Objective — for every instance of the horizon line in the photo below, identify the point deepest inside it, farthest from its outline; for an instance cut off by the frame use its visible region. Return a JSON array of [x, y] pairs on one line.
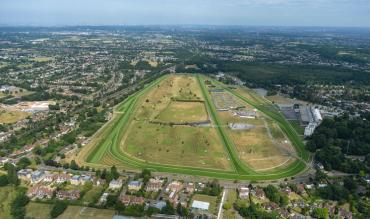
[[175, 25]]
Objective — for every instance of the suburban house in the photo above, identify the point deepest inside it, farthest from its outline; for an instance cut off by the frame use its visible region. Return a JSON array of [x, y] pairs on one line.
[[75, 180], [270, 206], [137, 200], [134, 185], [84, 179], [174, 186], [103, 198], [189, 187], [131, 200], [62, 177], [300, 188], [287, 191], [344, 214], [260, 193], [125, 199], [40, 192], [48, 177], [3, 161], [98, 182], [154, 185], [24, 174], [68, 195], [115, 184], [37, 176], [243, 192]]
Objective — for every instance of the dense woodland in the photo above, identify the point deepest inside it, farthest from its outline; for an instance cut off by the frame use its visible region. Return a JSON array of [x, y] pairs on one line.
[[339, 137]]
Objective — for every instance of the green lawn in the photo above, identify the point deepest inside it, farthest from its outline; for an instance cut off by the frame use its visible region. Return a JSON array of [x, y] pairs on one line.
[[38, 210], [231, 199], [92, 196], [78, 212], [7, 194], [179, 111], [299, 129]]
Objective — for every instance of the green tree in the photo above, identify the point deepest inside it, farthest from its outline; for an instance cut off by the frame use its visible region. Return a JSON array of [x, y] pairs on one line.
[[146, 174], [151, 211], [12, 175], [320, 213], [284, 200], [350, 184], [17, 207], [114, 172], [58, 208], [73, 165], [227, 206], [181, 210], [168, 209], [23, 162], [3, 180]]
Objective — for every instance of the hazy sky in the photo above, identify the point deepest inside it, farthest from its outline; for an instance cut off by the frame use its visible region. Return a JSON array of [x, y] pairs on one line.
[[220, 12]]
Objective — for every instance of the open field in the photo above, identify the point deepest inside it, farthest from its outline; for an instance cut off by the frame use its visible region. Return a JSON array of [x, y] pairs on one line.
[[180, 145], [168, 144], [42, 59], [78, 212], [12, 116], [38, 210], [112, 144], [153, 63], [15, 92], [7, 194], [93, 194], [279, 99], [180, 112], [262, 147]]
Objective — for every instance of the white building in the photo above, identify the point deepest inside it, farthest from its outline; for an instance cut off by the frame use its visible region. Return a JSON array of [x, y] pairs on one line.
[[243, 192], [310, 128], [200, 205], [316, 115]]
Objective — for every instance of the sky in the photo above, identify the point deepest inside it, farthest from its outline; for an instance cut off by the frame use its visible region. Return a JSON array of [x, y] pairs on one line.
[[352, 13]]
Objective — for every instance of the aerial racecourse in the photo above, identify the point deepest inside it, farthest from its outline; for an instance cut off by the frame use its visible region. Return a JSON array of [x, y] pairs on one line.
[[195, 125]]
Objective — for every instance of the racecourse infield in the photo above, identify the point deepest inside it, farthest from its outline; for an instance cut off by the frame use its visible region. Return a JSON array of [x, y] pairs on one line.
[[107, 146]]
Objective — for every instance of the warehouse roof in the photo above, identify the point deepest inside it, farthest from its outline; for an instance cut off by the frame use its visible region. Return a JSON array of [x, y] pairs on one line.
[[200, 205]]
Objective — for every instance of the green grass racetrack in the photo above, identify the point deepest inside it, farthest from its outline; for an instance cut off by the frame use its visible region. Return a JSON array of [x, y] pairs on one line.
[[110, 144]]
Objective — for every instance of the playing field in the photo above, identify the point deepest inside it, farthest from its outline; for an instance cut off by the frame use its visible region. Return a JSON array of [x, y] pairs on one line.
[[173, 125], [38, 210], [7, 194], [77, 212], [12, 116], [42, 59]]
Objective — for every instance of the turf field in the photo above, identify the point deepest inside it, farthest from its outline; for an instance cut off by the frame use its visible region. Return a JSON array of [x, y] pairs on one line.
[[183, 111], [12, 116], [78, 212], [7, 195], [38, 210], [133, 139]]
